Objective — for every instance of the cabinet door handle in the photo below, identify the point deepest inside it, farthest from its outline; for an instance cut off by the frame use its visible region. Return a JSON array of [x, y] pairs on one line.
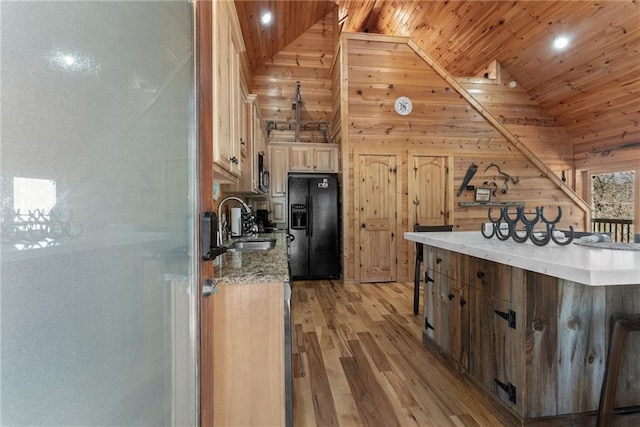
[[242, 141], [427, 279], [462, 302], [451, 296], [234, 160], [438, 260], [479, 274]]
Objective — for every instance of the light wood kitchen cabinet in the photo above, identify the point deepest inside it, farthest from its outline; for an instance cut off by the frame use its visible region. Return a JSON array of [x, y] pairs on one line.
[[279, 167], [228, 97], [253, 143], [278, 210], [297, 157], [248, 345], [305, 158], [300, 159], [325, 159]]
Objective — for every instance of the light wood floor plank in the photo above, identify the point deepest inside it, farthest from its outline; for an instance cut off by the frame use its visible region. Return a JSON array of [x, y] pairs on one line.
[[358, 360], [323, 406]]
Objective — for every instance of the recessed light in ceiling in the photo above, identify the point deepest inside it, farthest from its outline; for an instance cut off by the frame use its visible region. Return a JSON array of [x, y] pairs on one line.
[[266, 18], [560, 42]]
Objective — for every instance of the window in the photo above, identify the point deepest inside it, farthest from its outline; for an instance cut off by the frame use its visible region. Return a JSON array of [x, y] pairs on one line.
[[31, 194], [30, 224], [612, 202]]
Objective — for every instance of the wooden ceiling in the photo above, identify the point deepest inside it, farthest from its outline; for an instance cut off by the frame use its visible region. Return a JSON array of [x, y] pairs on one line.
[[592, 88]]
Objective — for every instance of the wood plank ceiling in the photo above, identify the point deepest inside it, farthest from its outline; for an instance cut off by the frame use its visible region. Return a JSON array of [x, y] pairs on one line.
[[592, 88]]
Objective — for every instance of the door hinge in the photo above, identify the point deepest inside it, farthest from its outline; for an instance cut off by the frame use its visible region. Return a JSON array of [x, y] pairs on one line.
[[510, 317], [428, 325], [509, 388]]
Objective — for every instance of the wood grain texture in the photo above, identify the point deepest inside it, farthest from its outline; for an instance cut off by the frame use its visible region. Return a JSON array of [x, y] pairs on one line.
[[204, 89], [445, 122], [375, 216], [248, 363], [381, 375], [306, 59], [589, 89], [552, 349]]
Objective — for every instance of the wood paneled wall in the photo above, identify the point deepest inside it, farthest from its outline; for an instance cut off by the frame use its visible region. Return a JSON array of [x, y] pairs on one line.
[[520, 113], [367, 73], [378, 69], [308, 59]]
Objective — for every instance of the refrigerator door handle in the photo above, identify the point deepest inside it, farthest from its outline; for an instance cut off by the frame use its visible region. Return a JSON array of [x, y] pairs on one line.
[[310, 216], [308, 224]]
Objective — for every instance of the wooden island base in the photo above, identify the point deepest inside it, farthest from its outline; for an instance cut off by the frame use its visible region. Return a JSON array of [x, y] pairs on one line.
[[533, 341], [585, 419]]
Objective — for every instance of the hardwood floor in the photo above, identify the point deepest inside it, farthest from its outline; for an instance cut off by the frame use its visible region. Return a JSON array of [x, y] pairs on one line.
[[358, 360]]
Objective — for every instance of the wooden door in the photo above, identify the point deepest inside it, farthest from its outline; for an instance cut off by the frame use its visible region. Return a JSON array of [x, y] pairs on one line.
[[377, 189], [429, 190], [204, 91]]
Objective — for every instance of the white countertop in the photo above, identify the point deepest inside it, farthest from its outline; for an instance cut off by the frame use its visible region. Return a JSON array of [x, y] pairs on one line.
[[589, 266]]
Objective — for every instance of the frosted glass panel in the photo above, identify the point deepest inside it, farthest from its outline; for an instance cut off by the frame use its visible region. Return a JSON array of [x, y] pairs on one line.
[[97, 191]]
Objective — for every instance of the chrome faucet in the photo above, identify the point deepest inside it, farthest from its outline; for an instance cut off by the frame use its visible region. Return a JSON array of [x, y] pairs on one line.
[[245, 207]]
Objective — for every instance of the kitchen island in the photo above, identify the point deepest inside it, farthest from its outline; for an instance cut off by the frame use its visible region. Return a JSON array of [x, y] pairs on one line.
[[252, 339], [530, 324]]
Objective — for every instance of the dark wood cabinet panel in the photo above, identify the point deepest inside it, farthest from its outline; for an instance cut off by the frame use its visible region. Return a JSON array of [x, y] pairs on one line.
[[446, 316], [536, 342]]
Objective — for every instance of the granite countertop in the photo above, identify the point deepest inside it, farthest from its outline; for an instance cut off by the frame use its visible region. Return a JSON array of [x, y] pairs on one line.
[[254, 266], [580, 264]]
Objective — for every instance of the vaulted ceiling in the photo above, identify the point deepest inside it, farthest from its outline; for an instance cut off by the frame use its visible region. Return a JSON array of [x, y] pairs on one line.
[[592, 87]]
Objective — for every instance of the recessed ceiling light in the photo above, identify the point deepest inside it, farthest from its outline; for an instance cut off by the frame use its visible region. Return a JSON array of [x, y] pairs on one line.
[[560, 42], [266, 18]]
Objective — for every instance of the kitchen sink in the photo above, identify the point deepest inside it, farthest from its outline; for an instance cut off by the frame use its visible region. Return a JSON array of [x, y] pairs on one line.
[[253, 245]]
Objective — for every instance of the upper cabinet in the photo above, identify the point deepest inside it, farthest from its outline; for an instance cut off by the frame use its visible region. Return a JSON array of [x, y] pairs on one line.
[[278, 156], [313, 158], [229, 93], [251, 146]]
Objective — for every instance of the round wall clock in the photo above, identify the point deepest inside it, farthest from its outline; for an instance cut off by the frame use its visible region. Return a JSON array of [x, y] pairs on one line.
[[403, 105]]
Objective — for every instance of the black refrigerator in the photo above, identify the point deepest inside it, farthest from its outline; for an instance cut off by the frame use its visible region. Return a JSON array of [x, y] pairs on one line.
[[314, 234]]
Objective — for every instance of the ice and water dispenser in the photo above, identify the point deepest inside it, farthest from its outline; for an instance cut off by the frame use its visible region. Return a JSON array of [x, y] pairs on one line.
[[298, 216]]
